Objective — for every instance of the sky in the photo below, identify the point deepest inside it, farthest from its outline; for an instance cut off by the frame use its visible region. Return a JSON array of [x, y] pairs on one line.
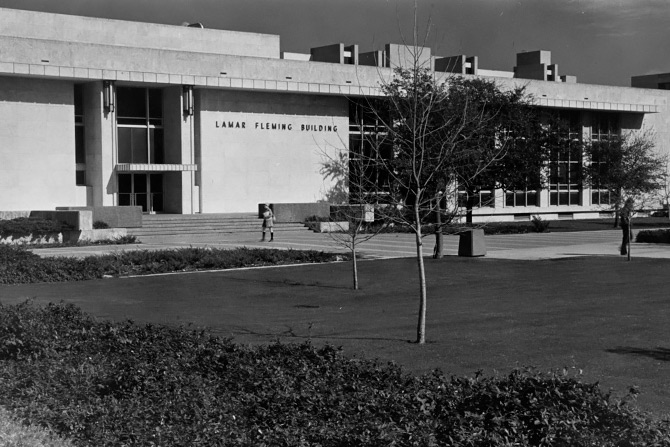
[[599, 41]]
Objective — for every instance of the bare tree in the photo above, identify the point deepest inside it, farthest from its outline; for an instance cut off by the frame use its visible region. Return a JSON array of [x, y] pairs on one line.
[[353, 216], [425, 138], [416, 142]]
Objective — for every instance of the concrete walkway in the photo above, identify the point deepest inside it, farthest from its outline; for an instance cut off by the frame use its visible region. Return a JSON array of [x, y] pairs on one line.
[[531, 246]]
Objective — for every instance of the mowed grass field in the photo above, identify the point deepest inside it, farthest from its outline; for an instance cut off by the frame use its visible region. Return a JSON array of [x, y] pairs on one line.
[[602, 316]]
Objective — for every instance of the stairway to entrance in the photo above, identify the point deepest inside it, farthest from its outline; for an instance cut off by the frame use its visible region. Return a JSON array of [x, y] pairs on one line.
[[199, 224]]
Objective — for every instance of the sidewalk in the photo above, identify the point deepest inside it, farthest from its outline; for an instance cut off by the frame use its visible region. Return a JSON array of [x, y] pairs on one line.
[[530, 246]]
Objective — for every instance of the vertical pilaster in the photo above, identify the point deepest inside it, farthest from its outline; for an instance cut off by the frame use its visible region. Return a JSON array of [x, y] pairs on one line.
[[100, 140], [586, 138], [180, 194]]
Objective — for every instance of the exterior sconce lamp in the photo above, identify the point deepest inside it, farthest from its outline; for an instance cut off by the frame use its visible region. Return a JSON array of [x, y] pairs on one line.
[[188, 100], [108, 96]]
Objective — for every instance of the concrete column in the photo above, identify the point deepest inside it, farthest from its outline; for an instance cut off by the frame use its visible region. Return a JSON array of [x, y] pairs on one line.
[[179, 149], [498, 198], [544, 198], [586, 137], [100, 140]]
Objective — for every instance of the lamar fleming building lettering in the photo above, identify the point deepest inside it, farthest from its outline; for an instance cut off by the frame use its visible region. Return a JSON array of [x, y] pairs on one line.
[[97, 112], [275, 126]]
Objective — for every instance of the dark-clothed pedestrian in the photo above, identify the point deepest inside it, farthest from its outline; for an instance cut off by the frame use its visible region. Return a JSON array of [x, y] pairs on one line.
[[624, 221]]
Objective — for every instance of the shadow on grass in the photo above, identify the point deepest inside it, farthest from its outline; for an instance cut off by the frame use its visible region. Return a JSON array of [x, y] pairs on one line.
[[662, 354], [292, 282], [289, 333]]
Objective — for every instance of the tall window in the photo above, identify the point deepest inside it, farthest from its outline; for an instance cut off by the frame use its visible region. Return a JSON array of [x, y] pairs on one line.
[[140, 125], [523, 197], [79, 142], [368, 143], [604, 131], [565, 176]]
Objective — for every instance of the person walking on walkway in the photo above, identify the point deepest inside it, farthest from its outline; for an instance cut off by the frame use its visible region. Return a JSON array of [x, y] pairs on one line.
[[624, 221], [268, 222]]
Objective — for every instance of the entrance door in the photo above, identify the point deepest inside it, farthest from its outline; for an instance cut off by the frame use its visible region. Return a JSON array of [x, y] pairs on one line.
[[145, 190]]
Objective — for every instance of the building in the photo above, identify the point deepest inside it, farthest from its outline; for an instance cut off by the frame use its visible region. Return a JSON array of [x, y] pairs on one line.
[[184, 119]]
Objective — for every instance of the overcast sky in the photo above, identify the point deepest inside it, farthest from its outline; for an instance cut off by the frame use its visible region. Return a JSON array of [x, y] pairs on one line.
[[599, 41]]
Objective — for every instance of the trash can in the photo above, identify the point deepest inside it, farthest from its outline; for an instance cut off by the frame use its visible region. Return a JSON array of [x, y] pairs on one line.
[[472, 243]]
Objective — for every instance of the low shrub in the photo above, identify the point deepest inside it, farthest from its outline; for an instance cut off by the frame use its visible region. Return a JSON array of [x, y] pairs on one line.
[[20, 266], [100, 225], [509, 228], [121, 240], [110, 384], [653, 236], [539, 225], [316, 218], [25, 226]]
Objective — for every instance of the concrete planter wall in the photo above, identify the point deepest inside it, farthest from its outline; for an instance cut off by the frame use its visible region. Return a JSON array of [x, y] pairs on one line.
[[296, 212], [79, 220], [328, 227], [114, 216]]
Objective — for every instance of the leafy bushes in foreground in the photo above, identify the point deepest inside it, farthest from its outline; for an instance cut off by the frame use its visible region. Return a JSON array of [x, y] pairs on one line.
[[20, 266], [654, 236], [107, 384], [14, 434]]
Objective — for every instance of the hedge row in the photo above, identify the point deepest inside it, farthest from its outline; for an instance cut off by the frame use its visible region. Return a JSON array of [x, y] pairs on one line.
[[107, 384], [25, 226], [653, 236], [20, 266]]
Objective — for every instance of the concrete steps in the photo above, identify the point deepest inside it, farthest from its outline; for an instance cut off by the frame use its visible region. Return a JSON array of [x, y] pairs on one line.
[[199, 224]]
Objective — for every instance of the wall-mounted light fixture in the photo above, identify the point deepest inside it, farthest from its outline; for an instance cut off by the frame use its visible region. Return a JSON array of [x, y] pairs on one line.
[[188, 100], [108, 96]]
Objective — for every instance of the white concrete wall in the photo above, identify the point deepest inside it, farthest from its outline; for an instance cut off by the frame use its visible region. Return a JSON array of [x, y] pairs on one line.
[[37, 153], [248, 164], [88, 30]]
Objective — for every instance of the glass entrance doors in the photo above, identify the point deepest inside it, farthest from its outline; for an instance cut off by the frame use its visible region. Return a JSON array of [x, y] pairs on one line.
[[145, 190]]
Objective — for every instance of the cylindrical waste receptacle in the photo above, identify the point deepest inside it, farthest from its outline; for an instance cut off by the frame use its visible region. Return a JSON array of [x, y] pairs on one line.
[[472, 243]]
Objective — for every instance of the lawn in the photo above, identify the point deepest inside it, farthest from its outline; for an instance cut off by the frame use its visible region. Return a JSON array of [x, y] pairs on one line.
[[602, 316]]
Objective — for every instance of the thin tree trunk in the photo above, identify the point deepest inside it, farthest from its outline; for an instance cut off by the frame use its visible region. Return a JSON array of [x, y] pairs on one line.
[[439, 239], [421, 326], [630, 236], [354, 264]]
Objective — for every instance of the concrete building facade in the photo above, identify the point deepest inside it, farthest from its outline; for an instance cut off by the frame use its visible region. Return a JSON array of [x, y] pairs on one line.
[[180, 119]]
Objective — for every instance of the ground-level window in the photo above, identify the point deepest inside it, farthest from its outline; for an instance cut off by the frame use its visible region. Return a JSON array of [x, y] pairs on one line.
[[140, 125], [523, 197], [145, 190], [484, 197]]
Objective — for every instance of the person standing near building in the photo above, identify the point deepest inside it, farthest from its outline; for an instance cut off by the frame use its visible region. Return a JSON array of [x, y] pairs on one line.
[[268, 222], [625, 215]]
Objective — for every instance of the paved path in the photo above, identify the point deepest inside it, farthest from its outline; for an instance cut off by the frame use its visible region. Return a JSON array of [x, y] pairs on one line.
[[529, 246]]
